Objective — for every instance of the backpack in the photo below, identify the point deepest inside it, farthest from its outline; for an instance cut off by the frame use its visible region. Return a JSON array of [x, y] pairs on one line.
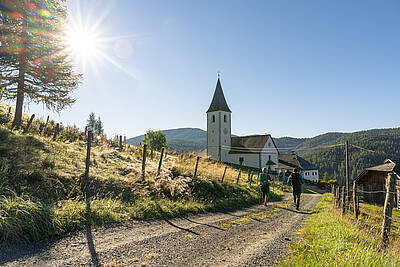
[[295, 179]]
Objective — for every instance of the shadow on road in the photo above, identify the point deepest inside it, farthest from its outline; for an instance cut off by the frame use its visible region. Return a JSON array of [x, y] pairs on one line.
[[205, 224], [89, 236], [308, 212], [172, 224]]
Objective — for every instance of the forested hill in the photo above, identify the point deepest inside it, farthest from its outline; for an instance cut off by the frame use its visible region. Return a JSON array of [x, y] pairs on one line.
[[386, 143]]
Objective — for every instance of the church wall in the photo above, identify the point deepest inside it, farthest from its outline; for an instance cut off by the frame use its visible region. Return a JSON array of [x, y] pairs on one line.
[[218, 134], [249, 160]]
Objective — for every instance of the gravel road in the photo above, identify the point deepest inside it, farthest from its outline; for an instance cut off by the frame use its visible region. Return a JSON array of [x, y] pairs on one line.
[[196, 240]]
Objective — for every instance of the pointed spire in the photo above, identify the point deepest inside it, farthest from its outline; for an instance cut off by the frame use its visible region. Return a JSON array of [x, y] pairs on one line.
[[218, 102]]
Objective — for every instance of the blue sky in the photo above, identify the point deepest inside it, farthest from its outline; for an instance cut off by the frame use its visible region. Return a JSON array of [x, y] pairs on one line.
[[289, 68]]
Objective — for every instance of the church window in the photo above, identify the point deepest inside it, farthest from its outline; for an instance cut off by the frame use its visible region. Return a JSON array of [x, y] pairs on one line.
[[225, 118], [213, 118], [269, 157]]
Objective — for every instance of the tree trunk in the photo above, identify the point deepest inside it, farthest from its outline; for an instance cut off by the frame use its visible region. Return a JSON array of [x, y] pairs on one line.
[[20, 93], [20, 100]]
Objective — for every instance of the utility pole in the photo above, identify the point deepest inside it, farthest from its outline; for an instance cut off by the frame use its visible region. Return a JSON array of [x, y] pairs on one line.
[[347, 171]]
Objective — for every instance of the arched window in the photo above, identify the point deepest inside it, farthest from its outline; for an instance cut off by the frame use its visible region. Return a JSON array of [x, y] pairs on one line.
[[225, 119], [213, 118]]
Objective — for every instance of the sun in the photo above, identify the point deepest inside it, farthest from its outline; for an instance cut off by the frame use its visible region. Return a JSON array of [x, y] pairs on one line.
[[88, 45], [83, 44]]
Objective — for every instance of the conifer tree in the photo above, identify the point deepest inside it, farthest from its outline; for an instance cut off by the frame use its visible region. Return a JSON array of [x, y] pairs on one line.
[[99, 126], [34, 65], [91, 122]]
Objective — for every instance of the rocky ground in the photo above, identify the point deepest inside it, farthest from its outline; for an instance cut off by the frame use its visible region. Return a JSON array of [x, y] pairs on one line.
[[200, 240]]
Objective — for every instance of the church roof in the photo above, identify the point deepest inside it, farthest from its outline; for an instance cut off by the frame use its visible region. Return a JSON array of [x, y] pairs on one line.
[[218, 102], [249, 144]]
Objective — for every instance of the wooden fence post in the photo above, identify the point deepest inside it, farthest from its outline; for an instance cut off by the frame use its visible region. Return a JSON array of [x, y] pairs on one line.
[[197, 165], [333, 194], [160, 163], [29, 124], [355, 200], [56, 131], [388, 208], [120, 142], [89, 145], [43, 129], [343, 199], [338, 197], [144, 161], [223, 176], [237, 180]]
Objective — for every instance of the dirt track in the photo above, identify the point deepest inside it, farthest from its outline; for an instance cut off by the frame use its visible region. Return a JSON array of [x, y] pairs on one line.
[[190, 241]]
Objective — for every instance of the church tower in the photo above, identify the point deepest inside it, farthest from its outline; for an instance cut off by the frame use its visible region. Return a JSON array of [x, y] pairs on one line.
[[218, 126]]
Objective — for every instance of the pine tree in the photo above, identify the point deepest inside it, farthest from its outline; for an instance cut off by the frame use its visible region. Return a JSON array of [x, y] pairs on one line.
[[34, 65], [99, 126], [91, 122]]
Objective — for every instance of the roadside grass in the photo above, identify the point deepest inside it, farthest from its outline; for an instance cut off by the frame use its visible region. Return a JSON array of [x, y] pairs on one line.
[[309, 191], [328, 239], [41, 186]]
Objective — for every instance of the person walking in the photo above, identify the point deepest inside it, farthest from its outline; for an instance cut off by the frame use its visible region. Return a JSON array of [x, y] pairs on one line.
[[296, 180], [264, 184]]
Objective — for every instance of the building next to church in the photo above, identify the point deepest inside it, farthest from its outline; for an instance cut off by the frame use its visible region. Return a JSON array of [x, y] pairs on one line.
[[256, 151], [287, 162]]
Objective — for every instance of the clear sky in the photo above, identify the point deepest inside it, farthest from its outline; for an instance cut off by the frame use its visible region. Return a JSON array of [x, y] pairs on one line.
[[289, 68]]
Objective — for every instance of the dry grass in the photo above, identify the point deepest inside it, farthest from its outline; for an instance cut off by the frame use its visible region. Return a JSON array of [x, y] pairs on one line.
[[42, 185]]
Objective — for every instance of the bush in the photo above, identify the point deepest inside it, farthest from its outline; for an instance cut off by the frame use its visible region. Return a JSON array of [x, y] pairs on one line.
[[5, 118]]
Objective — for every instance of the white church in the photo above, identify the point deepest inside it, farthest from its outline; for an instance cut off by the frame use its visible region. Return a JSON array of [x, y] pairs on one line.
[[257, 151]]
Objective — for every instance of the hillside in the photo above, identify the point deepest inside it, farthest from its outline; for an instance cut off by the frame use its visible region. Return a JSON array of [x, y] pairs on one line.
[[182, 139], [44, 192]]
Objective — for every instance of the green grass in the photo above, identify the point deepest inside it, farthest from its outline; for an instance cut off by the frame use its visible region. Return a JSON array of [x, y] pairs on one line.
[[328, 239], [41, 186]]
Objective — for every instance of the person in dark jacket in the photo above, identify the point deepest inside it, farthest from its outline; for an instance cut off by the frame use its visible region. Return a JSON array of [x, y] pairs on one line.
[[296, 180]]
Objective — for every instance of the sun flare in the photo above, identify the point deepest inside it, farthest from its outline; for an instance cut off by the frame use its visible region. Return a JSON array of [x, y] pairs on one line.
[[83, 44]]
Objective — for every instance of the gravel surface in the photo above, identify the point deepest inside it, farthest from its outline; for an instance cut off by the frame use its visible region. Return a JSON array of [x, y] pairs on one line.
[[196, 240]]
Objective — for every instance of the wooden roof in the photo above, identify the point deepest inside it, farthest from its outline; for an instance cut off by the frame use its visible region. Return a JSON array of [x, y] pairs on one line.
[[387, 166]]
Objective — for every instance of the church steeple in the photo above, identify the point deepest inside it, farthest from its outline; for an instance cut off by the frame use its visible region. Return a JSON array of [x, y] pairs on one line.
[[218, 102]]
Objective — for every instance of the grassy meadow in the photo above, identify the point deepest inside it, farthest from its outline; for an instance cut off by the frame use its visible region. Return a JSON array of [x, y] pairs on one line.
[[42, 184], [330, 239]]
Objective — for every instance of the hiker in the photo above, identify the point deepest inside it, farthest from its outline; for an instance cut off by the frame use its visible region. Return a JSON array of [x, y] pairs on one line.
[[296, 180], [264, 184]]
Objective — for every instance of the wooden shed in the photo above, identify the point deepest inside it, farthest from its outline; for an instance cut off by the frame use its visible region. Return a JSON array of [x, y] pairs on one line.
[[373, 182]]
